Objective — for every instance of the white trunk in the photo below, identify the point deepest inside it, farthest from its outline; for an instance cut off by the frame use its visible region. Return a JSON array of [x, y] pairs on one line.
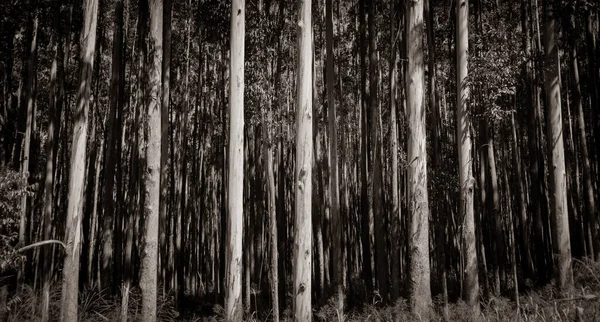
[[148, 275], [235, 207], [417, 160], [77, 173], [303, 174], [465, 160], [558, 186]]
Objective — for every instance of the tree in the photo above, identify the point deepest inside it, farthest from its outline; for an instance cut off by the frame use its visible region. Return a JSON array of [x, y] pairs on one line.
[[148, 274], [558, 196], [380, 246], [29, 106], [420, 296], [466, 180], [164, 143], [111, 150], [77, 171], [395, 215], [235, 207], [54, 119], [303, 173], [338, 264], [366, 222]]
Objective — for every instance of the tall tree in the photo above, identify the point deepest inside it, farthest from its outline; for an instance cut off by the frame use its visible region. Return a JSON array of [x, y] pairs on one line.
[[558, 196], [395, 215], [420, 296], [336, 224], [594, 90], [303, 172], [465, 158], [28, 107], [54, 119], [235, 207], [367, 272], [151, 197], [77, 171], [112, 128], [164, 143], [590, 204], [380, 246]]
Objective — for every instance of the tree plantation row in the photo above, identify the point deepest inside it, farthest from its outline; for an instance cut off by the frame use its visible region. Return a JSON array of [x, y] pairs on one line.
[[267, 159]]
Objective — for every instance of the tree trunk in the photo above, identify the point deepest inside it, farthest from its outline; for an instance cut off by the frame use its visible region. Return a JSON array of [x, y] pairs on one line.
[[164, 139], [466, 181], [51, 142], [151, 192], [588, 187], [336, 224], [273, 267], [380, 246], [558, 196], [494, 212], [420, 296], [235, 210], [112, 128], [395, 216], [303, 173], [77, 172], [367, 273], [29, 104]]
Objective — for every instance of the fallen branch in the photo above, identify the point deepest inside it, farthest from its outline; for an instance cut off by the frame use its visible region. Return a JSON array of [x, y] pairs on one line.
[[42, 243], [587, 297]]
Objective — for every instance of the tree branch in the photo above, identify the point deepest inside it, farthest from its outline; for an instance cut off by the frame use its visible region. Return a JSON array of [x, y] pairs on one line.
[[42, 243]]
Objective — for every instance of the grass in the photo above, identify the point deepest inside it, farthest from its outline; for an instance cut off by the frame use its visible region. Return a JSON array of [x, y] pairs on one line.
[[535, 305]]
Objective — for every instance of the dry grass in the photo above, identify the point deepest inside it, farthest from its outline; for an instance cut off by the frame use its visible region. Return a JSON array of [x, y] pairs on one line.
[[539, 305]]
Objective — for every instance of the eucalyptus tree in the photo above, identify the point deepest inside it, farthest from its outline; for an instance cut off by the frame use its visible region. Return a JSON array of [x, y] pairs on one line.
[[70, 283], [303, 172], [235, 207]]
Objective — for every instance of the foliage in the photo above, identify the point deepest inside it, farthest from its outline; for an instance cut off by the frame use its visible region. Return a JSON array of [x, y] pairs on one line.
[[12, 188], [95, 304]]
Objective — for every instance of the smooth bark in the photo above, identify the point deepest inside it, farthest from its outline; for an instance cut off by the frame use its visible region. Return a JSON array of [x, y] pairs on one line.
[[465, 159], [302, 309], [151, 184], [77, 170], [558, 196]]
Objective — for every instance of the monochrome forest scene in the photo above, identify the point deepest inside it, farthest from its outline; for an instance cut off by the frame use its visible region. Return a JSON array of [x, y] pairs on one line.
[[299, 160]]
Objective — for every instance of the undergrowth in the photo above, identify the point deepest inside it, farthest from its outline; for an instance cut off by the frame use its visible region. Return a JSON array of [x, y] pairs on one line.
[[536, 305]]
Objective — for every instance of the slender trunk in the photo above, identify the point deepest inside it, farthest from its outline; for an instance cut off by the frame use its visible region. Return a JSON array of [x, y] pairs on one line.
[[164, 140], [433, 107], [380, 247], [494, 212], [54, 118], [336, 224], [111, 142], [558, 196], [417, 165], [273, 267], [367, 273], [303, 173], [590, 205], [594, 91], [235, 222], [151, 191], [29, 103], [526, 250], [466, 181], [511, 230], [395, 216], [77, 172]]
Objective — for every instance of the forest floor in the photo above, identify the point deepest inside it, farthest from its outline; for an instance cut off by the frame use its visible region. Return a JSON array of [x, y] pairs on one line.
[[535, 305]]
